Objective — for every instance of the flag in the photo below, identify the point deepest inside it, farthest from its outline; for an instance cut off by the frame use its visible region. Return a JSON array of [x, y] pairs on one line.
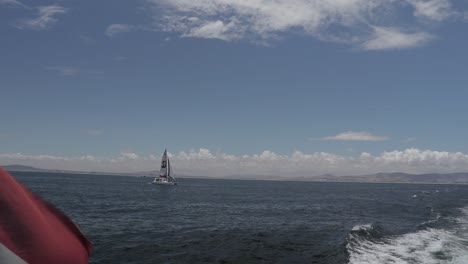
[[33, 231]]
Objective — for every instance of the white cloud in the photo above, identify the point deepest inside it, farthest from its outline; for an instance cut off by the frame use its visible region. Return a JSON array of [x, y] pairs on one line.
[[418, 158], [392, 38], [203, 162], [215, 30], [14, 3], [129, 155], [118, 28], [356, 136], [432, 9], [19, 156], [46, 18], [232, 19], [368, 23]]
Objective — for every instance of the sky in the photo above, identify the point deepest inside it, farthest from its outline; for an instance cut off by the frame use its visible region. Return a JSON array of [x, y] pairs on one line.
[[258, 87]]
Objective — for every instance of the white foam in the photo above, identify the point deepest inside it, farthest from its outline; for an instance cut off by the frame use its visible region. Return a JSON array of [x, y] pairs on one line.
[[364, 227], [430, 246], [463, 220], [431, 221]]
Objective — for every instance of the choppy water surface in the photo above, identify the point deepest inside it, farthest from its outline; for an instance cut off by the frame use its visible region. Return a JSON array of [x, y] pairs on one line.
[[229, 221]]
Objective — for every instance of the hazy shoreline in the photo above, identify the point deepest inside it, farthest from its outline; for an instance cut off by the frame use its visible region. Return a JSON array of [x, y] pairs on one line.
[[381, 178]]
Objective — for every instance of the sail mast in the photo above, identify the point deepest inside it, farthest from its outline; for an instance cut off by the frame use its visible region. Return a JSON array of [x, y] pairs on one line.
[[169, 169]]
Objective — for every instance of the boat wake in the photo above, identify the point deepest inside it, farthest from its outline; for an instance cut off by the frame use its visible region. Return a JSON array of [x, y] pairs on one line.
[[366, 244]]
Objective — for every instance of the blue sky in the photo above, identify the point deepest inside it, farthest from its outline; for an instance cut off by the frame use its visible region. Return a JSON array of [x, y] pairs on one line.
[[103, 79]]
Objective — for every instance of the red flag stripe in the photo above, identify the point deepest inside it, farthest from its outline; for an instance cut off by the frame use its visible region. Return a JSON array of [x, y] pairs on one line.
[[36, 231]]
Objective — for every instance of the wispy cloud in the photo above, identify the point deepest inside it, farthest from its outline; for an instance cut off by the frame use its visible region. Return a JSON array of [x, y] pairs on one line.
[[64, 70], [13, 3], [45, 19], [215, 30], [87, 39], [219, 164], [393, 38], [356, 136], [118, 28], [366, 23], [432, 9], [72, 71], [93, 132]]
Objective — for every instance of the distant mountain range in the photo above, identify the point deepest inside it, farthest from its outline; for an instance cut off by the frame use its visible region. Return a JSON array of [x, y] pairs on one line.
[[34, 169], [395, 177]]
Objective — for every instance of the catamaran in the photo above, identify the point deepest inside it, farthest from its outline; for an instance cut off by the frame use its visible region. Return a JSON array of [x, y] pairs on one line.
[[165, 174]]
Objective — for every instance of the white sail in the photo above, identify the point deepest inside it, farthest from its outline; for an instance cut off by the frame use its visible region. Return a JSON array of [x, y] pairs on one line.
[[169, 172], [163, 172]]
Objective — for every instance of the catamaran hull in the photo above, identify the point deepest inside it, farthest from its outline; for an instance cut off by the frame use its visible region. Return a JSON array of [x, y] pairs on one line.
[[164, 183]]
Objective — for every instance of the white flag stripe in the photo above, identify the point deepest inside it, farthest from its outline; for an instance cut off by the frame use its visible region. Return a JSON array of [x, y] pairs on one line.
[[8, 257]]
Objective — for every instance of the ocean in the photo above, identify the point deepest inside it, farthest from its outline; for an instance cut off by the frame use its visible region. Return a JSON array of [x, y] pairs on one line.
[[129, 220]]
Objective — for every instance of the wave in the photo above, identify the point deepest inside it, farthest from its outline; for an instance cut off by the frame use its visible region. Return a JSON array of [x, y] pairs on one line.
[[427, 246]]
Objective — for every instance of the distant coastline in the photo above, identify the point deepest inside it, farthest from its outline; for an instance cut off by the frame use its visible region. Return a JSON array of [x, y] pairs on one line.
[[23, 168], [394, 177]]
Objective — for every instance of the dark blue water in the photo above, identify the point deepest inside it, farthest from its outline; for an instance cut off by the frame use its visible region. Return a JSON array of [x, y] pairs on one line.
[[230, 221]]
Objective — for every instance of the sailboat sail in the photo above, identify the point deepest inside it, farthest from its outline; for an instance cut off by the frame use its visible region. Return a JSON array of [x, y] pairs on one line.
[[163, 172], [169, 172]]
